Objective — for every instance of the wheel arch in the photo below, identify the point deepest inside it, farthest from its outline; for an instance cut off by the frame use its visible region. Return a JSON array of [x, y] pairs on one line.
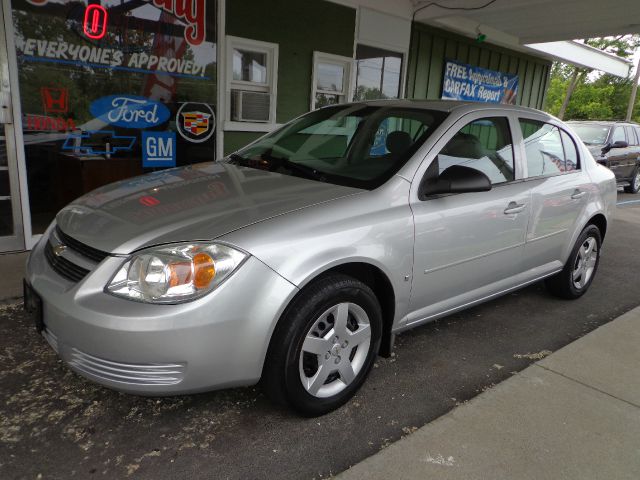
[[369, 274], [600, 221]]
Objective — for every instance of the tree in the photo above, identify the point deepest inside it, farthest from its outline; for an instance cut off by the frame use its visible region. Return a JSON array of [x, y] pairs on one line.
[[593, 98]]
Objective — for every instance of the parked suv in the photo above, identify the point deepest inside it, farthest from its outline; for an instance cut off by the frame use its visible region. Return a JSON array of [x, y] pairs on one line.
[[615, 145]]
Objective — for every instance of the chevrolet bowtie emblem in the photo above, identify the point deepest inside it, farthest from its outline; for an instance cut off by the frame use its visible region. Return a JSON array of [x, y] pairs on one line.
[[59, 249]]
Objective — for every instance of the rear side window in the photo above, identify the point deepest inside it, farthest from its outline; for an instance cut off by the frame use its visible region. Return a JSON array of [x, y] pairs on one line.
[[483, 144], [570, 152], [631, 136], [549, 150]]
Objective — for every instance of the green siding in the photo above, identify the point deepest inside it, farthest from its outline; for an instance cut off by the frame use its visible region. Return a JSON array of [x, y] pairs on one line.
[[431, 46], [299, 29]]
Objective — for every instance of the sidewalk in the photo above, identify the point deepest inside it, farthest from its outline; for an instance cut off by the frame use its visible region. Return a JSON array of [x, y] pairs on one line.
[[572, 415]]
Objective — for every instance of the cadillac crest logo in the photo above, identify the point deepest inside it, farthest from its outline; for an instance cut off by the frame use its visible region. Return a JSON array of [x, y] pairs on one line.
[[195, 122]]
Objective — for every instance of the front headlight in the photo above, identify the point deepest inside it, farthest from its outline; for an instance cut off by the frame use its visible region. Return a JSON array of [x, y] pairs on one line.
[[175, 273]]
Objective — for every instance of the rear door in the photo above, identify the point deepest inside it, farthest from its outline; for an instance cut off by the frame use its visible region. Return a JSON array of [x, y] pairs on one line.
[[559, 193], [633, 154], [618, 161], [469, 245]]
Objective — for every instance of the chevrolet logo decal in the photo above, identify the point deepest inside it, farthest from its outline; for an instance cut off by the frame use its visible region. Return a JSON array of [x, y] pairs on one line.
[[59, 249], [95, 142]]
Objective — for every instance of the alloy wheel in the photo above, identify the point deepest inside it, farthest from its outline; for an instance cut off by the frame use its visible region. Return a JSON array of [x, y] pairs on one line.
[[585, 263], [334, 350]]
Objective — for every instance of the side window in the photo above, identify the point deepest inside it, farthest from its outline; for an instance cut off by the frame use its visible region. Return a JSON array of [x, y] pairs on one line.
[[618, 135], [570, 152], [543, 148], [483, 144], [631, 136]]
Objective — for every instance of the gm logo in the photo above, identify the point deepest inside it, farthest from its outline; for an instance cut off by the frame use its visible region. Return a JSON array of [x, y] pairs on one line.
[[158, 149]]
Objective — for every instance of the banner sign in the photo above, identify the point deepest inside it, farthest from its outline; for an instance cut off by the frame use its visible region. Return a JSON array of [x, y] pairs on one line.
[[475, 84]]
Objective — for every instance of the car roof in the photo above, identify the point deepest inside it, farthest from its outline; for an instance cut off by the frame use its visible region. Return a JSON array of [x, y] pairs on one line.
[[608, 123], [446, 105]]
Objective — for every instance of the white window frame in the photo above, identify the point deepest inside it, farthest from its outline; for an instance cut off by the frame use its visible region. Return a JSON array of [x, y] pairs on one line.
[[271, 86], [347, 82]]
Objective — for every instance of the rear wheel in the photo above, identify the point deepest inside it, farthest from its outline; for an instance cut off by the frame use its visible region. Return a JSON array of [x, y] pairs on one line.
[[634, 187], [324, 346], [579, 271]]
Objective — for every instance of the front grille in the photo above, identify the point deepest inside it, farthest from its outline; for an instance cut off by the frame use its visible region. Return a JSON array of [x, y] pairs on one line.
[[84, 250], [130, 373], [63, 266]]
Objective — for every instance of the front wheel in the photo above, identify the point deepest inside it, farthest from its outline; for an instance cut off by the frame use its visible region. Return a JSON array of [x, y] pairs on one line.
[[579, 271], [324, 346], [634, 187]]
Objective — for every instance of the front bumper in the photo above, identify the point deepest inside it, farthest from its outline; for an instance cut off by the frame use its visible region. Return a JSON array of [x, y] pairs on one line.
[[217, 341]]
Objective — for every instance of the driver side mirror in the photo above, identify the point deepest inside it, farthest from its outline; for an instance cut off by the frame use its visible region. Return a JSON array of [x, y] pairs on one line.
[[620, 144], [455, 179]]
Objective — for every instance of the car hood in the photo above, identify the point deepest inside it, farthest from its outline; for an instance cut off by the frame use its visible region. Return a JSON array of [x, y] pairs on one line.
[[595, 150], [199, 202]]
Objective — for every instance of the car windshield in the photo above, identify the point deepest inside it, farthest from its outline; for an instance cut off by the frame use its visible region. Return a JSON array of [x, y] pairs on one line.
[[591, 134], [357, 145]]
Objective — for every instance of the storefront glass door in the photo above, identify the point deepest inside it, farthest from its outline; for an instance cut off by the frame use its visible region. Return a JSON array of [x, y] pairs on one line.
[[11, 234], [109, 90]]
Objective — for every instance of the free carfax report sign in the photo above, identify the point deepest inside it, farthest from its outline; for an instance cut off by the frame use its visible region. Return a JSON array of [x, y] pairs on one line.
[[475, 84]]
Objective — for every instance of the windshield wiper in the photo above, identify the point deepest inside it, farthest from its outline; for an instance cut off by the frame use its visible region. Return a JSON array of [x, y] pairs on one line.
[[307, 172]]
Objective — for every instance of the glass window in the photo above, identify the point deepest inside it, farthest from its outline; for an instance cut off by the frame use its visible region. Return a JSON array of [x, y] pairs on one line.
[[379, 73], [570, 152], [618, 135], [544, 149], [330, 77], [631, 136], [591, 134], [358, 146], [331, 80], [249, 66], [98, 108], [485, 145], [251, 80]]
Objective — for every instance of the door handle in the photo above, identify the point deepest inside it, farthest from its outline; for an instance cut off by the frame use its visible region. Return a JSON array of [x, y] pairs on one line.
[[577, 194], [514, 207]]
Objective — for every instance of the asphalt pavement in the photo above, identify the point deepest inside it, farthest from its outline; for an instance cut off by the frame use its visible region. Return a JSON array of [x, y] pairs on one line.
[[54, 424]]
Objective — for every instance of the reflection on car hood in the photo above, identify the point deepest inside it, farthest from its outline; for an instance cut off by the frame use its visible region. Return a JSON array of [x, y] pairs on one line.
[[199, 202]]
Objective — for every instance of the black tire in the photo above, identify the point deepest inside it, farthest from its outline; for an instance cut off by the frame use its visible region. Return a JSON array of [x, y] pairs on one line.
[[282, 374], [563, 284], [634, 187]]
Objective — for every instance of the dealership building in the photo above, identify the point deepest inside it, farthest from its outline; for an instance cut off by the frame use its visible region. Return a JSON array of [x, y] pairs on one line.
[[99, 91]]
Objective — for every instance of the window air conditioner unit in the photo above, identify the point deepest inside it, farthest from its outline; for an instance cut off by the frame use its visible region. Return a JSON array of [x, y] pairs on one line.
[[249, 106]]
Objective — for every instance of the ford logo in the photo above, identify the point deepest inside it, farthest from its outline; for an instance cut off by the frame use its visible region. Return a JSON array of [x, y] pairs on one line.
[[129, 111]]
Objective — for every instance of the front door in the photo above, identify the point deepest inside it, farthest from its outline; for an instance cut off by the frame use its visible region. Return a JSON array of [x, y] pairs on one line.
[[11, 233], [469, 246]]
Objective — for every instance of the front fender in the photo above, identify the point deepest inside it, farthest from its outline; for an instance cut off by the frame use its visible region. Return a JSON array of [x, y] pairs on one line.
[[375, 228]]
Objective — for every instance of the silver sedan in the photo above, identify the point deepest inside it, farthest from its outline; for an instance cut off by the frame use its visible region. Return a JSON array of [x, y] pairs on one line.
[[296, 260]]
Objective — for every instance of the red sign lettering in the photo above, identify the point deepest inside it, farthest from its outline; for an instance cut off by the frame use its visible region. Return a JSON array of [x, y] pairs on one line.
[[95, 21]]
